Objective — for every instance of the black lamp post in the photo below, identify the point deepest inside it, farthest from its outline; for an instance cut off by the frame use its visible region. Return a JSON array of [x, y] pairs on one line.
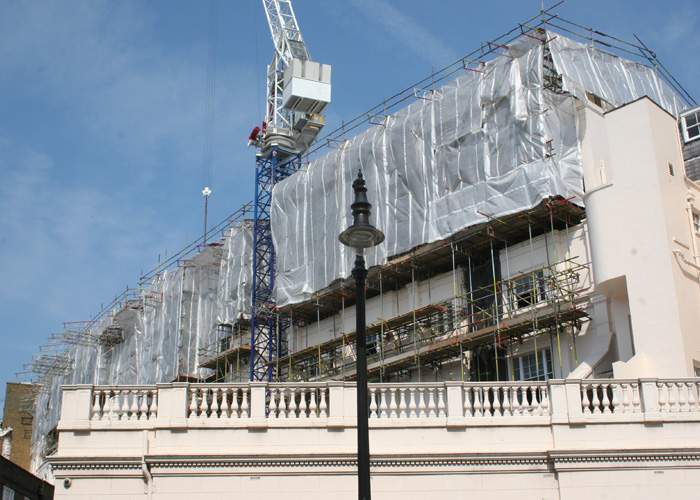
[[361, 236]]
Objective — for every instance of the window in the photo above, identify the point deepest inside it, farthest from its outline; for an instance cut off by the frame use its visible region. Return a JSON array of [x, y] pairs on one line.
[[7, 493], [528, 290], [312, 368], [691, 125], [696, 222], [533, 366]]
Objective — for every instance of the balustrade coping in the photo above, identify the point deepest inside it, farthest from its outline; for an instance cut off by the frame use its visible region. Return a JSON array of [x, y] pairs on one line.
[[341, 383]]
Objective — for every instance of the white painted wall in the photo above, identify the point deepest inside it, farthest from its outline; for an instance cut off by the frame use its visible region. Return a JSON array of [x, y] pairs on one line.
[[633, 220]]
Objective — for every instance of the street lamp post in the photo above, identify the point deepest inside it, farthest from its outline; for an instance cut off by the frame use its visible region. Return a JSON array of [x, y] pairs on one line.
[[361, 236]]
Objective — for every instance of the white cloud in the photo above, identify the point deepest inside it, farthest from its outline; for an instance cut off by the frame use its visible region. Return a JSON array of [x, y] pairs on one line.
[[408, 33]]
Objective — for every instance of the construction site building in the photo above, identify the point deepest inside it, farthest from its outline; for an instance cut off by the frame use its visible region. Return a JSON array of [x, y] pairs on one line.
[[539, 229]]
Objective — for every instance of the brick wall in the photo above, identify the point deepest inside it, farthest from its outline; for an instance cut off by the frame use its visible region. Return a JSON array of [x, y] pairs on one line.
[[16, 415]]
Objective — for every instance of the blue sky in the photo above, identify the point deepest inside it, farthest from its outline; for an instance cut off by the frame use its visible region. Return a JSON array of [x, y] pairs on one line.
[[102, 122]]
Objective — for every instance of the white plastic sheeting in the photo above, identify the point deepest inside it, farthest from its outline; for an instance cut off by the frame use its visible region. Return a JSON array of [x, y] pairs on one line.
[[487, 144], [163, 331], [586, 69]]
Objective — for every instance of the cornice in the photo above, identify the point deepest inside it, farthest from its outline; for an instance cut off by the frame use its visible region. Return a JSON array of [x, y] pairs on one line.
[[536, 462]]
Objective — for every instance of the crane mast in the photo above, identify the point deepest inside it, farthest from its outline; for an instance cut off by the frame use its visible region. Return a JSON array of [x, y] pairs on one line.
[[298, 90]]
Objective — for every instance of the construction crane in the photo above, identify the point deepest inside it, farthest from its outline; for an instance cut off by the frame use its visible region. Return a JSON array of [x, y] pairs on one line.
[[298, 90]]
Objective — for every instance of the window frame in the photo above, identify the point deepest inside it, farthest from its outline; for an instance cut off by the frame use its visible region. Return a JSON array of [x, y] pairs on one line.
[[527, 290], [684, 125], [8, 493], [543, 358]]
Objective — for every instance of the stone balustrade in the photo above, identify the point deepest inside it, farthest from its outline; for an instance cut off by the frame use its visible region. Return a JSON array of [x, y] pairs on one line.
[[332, 404]]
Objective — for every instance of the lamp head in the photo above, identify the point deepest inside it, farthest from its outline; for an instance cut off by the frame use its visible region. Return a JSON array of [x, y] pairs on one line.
[[361, 235]]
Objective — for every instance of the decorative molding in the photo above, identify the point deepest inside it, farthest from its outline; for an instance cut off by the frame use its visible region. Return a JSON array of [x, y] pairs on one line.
[[536, 462], [614, 459]]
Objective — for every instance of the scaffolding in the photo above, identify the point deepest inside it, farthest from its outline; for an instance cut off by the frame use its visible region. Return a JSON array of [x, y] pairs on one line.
[[545, 300], [229, 355], [439, 332]]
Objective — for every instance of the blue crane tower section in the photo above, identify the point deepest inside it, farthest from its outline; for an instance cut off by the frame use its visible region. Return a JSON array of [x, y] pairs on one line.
[[268, 332]]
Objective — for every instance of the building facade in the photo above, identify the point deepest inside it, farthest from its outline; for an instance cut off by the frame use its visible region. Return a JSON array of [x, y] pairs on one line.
[[532, 318]]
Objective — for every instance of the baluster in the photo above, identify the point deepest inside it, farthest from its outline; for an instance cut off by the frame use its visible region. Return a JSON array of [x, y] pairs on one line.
[[302, 406], [193, 403], [312, 403], [613, 401], [635, 398], [488, 401], [441, 402], [535, 408], [106, 403], [507, 412], [496, 404], [225, 406], [596, 399], [604, 398], [132, 406], [115, 406], [235, 403], [285, 402], [215, 402], [692, 397], [585, 402], [467, 402], [517, 400], [373, 402], [110, 402], [662, 397], [534, 404], [305, 403], [392, 404], [626, 403], [682, 399], [124, 408], [273, 403], [672, 398], [383, 406], [526, 405], [153, 412], [477, 402], [96, 406], [412, 407], [432, 405], [402, 403], [324, 404], [245, 405], [544, 399], [613, 397], [206, 405], [143, 407], [421, 403], [293, 406]]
